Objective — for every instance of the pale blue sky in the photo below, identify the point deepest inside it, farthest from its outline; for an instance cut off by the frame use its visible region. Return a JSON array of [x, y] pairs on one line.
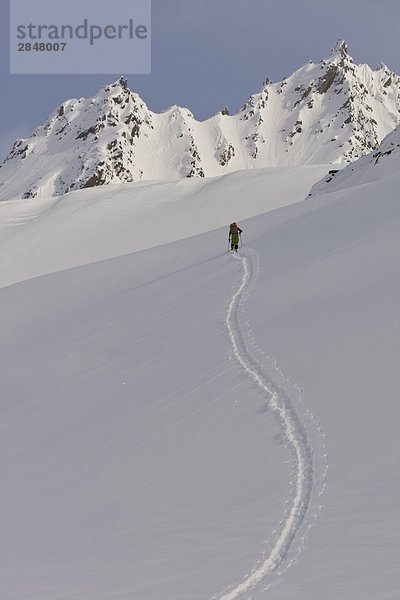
[[210, 53]]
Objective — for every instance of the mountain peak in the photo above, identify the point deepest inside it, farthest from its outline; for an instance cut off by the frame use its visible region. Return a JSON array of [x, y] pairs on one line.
[[341, 46], [119, 85], [121, 81], [340, 54]]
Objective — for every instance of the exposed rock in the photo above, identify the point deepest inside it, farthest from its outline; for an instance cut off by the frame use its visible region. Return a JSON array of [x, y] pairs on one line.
[[227, 155], [327, 80]]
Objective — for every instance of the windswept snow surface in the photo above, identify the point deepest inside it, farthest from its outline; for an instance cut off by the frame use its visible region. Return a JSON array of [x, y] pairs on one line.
[[85, 226], [181, 423]]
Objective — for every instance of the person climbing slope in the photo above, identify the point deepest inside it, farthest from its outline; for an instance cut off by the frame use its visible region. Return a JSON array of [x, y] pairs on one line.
[[234, 233]]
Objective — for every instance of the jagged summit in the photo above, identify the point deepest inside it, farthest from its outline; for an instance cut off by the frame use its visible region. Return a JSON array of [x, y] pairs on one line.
[[340, 55], [341, 48], [334, 112]]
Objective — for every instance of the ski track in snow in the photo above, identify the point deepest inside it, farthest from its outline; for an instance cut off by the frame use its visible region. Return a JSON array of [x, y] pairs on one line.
[[309, 463]]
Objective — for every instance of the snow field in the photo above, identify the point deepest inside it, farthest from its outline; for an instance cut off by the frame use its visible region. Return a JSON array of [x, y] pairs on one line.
[[152, 449], [52, 234], [158, 476]]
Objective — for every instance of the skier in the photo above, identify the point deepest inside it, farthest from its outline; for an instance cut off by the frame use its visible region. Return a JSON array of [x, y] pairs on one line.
[[234, 233]]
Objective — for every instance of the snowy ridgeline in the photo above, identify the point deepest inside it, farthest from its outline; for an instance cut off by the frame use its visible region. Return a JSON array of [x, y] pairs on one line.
[[182, 423], [334, 111], [378, 165]]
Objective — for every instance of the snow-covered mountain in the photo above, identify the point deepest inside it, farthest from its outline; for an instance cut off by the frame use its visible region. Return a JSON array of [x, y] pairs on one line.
[[334, 111]]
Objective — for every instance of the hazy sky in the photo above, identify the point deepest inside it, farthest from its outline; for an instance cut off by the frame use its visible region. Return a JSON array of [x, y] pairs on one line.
[[210, 53]]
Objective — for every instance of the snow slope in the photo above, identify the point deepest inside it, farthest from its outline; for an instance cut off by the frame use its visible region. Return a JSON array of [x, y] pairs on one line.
[[42, 236], [183, 423], [379, 166]]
